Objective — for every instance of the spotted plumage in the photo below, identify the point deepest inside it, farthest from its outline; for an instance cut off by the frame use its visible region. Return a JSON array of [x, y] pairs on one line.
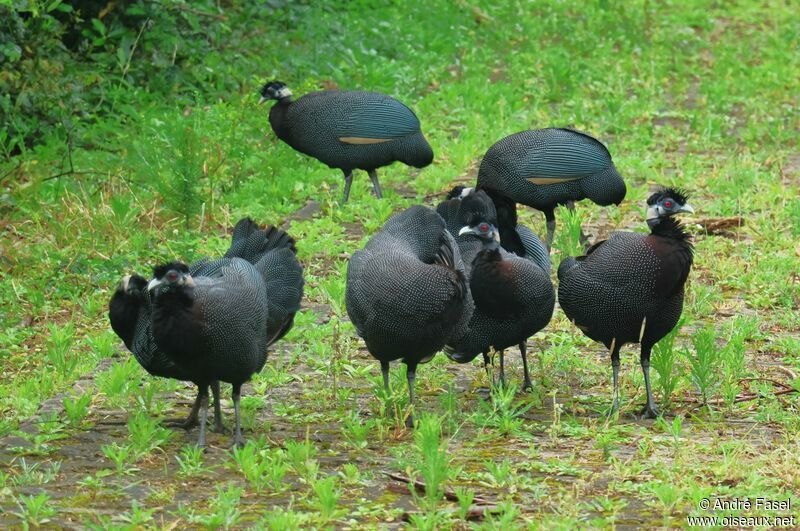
[[219, 327], [513, 295], [406, 291], [348, 130], [544, 168], [630, 288]]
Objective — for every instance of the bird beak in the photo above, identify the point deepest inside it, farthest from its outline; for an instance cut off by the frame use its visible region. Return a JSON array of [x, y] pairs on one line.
[[153, 284], [124, 282], [466, 230], [262, 100], [687, 208]]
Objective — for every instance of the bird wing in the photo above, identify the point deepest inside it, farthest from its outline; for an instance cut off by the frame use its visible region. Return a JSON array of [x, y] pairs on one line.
[[535, 249], [377, 118], [571, 157]]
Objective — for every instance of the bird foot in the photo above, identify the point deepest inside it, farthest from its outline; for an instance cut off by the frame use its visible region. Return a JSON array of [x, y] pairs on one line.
[[219, 428], [186, 424], [527, 386], [238, 443], [410, 421], [649, 412]]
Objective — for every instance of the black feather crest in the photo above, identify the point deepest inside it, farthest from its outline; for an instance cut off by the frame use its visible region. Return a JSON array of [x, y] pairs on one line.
[[161, 270], [678, 194]]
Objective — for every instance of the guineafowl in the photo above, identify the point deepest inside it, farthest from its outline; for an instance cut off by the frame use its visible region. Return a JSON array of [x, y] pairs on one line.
[[544, 168], [406, 292], [348, 130], [219, 327], [629, 288], [130, 314], [513, 296]]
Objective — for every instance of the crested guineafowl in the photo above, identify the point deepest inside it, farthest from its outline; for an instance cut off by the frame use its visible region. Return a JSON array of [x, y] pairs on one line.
[[348, 130], [406, 292], [513, 296], [219, 327], [629, 288], [544, 168], [130, 312]]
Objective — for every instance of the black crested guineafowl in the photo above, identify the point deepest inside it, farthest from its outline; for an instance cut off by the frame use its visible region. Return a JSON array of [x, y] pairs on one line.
[[629, 288], [348, 130], [544, 168], [130, 313], [406, 292], [219, 327], [513, 296]]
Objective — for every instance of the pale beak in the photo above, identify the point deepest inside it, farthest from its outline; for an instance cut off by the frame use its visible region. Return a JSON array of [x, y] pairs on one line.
[[153, 284], [125, 281], [465, 192], [465, 230], [687, 208], [262, 100]]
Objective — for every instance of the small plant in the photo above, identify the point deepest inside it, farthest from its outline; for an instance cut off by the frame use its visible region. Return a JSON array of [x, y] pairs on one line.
[[434, 462], [146, 434], [59, 349], [705, 363], [190, 461], [356, 431], [664, 361], [465, 498], [675, 429], [261, 467], [76, 408], [35, 474], [280, 519], [301, 456], [137, 517], [327, 498], [121, 456], [35, 510], [224, 512], [499, 474], [118, 381], [501, 413]]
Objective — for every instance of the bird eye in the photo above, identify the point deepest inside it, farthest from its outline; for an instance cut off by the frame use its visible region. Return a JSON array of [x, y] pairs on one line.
[[668, 204], [483, 227], [172, 276]]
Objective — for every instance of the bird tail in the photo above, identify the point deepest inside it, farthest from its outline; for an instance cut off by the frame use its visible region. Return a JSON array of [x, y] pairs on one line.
[[283, 277]]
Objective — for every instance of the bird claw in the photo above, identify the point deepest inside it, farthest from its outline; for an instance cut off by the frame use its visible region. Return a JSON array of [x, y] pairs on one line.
[[219, 428], [186, 424], [410, 421], [649, 412]]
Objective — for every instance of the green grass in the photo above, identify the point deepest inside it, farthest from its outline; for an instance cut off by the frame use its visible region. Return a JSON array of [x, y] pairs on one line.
[[696, 94]]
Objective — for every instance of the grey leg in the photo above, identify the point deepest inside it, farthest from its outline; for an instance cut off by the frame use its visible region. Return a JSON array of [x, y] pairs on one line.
[[583, 238], [502, 368], [201, 439], [615, 369], [218, 427], [650, 410], [411, 375], [550, 216], [348, 181], [238, 441], [373, 175], [526, 384], [385, 371], [191, 420]]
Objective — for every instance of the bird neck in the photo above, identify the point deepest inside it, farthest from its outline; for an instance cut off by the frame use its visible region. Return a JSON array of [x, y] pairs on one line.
[[123, 312], [277, 117], [668, 227], [506, 222]]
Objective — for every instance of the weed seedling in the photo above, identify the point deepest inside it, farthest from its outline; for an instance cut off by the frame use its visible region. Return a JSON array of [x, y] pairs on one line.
[[35, 510]]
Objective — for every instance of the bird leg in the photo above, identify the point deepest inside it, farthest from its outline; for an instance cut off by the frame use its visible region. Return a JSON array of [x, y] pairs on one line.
[[218, 427], [191, 420], [373, 175], [348, 181], [411, 375], [201, 439], [583, 238], [650, 410], [526, 385], [502, 368], [550, 216], [615, 371], [385, 371], [238, 441]]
